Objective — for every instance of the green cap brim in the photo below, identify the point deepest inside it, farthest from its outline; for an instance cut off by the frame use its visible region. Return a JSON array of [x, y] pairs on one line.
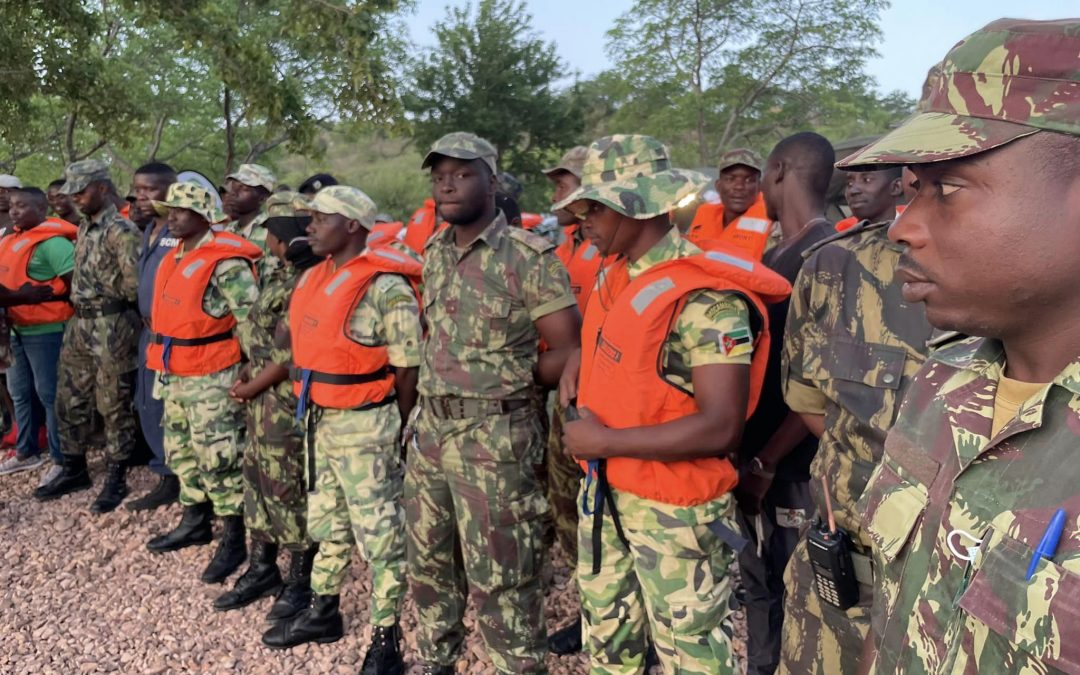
[[935, 137], [641, 197]]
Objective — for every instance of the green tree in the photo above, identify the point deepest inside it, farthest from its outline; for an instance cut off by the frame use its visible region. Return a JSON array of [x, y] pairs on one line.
[[492, 75], [707, 75]]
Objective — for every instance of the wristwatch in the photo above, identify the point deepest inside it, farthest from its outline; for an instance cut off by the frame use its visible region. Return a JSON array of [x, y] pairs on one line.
[[758, 468]]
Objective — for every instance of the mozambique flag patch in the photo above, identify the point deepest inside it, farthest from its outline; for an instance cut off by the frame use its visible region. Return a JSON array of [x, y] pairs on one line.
[[736, 342]]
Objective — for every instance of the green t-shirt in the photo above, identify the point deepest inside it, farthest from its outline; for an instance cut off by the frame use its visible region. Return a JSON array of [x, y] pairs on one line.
[[52, 258]]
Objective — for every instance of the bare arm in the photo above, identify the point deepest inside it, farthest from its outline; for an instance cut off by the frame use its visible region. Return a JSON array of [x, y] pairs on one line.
[[561, 331], [815, 423]]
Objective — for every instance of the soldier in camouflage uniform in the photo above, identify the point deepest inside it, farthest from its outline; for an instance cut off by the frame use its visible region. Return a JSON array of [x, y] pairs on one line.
[[98, 358], [851, 347], [246, 193], [275, 500], [204, 427], [355, 470], [660, 556], [490, 293], [979, 469]]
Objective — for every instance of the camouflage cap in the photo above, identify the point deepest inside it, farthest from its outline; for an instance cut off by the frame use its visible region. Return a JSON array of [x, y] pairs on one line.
[[1005, 81], [254, 175], [193, 198], [346, 201], [740, 157], [572, 162], [281, 204], [462, 145], [633, 175], [9, 181], [78, 175]]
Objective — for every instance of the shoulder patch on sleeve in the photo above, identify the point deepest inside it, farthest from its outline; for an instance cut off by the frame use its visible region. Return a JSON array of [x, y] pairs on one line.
[[533, 241], [863, 226]]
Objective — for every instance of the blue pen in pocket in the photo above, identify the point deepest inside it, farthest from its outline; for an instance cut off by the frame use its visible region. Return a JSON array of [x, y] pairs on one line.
[[1049, 543]]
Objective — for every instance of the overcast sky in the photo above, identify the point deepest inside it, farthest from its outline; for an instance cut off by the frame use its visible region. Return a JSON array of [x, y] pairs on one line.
[[917, 33]]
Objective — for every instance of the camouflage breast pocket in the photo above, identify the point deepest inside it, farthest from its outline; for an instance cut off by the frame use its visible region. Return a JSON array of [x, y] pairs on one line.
[[864, 377], [482, 320], [1032, 626], [893, 505]]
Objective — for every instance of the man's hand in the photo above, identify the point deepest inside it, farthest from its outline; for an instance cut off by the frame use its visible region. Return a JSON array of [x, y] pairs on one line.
[[568, 383], [587, 438], [33, 294], [751, 490], [243, 391]]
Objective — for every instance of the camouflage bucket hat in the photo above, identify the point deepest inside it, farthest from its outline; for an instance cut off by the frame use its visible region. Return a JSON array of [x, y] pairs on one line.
[[254, 175], [1007, 80], [462, 145], [739, 157], [78, 175], [193, 198], [572, 162], [343, 200], [633, 175]]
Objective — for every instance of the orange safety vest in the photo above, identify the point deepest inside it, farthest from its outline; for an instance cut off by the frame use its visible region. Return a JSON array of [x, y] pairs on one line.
[[852, 221], [384, 232], [582, 262], [531, 220], [16, 250], [620, 379], [187, 341], [422, 226], [749, 232], [331, 369]]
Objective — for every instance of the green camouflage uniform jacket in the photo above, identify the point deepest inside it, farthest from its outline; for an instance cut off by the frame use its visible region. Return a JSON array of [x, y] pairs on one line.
[[943, 486], [106, 255], [256, 232], [480, 305]]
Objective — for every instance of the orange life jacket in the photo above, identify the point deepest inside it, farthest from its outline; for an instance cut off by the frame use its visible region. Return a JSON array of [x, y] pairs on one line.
[[749, 232], [852, 221], [621, 383], [531, 220], [331, 369], [423, 224], [384, 232], [187, 341], [16, 250], [582, 262]]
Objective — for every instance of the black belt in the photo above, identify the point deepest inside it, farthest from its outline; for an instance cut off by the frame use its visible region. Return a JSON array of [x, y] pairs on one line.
[[106, 308], [159, 339], [454, 408], [340, 378], [603, 498]]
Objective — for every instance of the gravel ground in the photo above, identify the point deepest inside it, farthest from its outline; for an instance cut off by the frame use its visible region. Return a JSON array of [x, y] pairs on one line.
[[83, 595]]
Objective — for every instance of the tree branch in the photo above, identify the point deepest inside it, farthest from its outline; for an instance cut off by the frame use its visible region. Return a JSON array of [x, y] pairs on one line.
[[155, 142]]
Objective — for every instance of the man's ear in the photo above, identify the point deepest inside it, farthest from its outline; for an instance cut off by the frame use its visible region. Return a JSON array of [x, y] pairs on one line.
[[777, 173], [353, 226], [897, 188]]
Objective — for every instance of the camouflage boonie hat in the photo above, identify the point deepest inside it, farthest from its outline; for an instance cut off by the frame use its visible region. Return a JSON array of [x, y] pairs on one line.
[[254, 175], [462, 145], [346, 201], [193, 198], [572, 162], [739, 157], [78, 175], [633, 175], [1005, 81]]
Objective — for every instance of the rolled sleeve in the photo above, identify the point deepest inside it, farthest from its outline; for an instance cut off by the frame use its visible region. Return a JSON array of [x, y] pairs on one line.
[[546, 288]]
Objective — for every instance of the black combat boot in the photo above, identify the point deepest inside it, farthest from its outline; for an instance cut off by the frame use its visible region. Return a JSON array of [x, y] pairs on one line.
[[261, 579], [320, 622], [566, 640], [164, 493], [296, 594], [114, 490], [73, 477], [195, 529], [384, 655], [230, 554]]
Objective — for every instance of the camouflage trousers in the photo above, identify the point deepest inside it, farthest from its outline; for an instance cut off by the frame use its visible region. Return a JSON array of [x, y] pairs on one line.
[[563, 482], [97, 374], [357, 501], [204, 432], [471, 483], [275, 498], [818, 638], [674, 575]]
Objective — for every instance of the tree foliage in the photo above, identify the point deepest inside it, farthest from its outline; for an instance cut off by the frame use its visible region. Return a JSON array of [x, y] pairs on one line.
[[493, 76], [707, 75]]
